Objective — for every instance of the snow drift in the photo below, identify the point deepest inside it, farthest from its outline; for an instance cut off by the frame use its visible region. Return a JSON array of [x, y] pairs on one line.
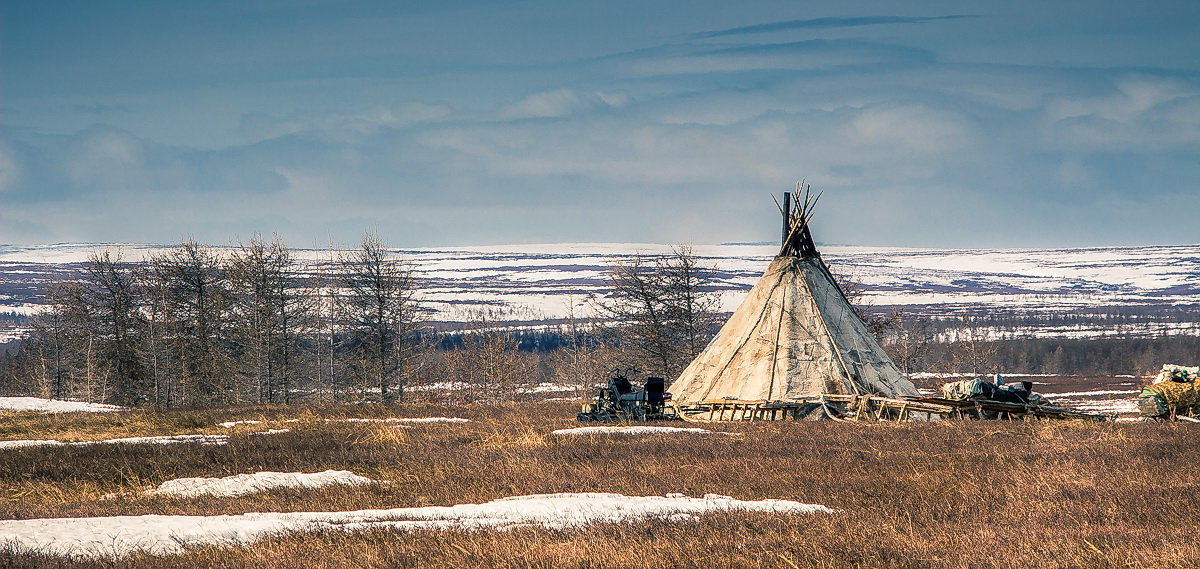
[[244, 484], [159, 440], [54, 405], [120, 535]]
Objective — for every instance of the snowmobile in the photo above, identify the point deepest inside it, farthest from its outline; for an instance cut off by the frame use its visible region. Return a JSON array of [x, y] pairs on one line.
[[619, 401]]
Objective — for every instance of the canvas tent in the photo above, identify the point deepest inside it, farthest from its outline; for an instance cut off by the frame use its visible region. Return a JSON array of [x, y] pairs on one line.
[[795, 337]]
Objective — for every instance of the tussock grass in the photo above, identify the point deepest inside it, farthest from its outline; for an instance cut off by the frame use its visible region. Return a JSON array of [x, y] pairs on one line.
[[962, 494]]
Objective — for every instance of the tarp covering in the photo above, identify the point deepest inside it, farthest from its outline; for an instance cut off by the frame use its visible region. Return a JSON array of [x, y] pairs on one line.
[[794, 337], [1176, 390]]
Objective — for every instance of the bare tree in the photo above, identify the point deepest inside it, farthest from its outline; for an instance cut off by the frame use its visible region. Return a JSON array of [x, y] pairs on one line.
[[195, 303], [664, 306], [164, 382], [50, 354], [110, 296], [586, 357], [973, 351], [691, 303], [323, 293], [908, 342], [381, 315], [267, 315], [492, 363], [856, 294]]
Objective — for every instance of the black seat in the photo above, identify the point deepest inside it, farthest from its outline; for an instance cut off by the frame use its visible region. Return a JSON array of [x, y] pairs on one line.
[[655, 388], [622, 385]]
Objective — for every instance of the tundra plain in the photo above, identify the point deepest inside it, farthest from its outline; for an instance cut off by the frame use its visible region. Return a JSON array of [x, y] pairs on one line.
[[949, 494]]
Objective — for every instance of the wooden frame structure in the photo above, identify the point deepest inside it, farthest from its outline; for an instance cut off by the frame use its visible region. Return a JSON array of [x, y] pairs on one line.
[[875, 408]]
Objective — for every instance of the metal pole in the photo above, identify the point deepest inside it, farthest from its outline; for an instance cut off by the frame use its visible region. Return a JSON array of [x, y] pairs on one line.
[[787, 216]]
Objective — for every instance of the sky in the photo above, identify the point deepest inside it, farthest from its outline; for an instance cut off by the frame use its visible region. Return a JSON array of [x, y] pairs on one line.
[[471, 122]]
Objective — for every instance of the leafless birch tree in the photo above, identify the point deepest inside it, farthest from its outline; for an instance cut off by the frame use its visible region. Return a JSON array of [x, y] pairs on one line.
[[381, 315], [664, 306]]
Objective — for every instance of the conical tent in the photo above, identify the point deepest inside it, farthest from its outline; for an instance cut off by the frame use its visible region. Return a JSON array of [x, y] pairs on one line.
[[794, 337]]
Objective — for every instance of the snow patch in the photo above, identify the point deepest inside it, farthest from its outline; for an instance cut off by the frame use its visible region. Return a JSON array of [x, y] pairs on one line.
[[31, 443], [272, 432], [1110, 407], [54, 405], [157, 534], [548, 388], [636, 430], [441, 386], [244, 484], [1093, 393], [210, 440], [232, 424]]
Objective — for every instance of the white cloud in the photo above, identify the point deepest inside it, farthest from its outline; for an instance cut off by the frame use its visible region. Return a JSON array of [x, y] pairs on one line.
[[1135, 114], [260, 126], [104, 155], [560, 103], [910, 129]]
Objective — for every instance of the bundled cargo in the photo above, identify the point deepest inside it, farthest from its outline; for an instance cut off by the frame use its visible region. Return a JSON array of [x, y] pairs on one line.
[[1174, 393], [979, 389], [978, 398]]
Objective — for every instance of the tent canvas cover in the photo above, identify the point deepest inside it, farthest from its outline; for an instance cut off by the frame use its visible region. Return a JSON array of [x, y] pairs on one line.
[[795, 337]]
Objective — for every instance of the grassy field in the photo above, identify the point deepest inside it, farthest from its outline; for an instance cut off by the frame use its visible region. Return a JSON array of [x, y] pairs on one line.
[[961, 494]]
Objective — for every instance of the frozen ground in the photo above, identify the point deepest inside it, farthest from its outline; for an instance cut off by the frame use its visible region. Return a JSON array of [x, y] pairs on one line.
[[244, 484], [120, 535], [53, 405]]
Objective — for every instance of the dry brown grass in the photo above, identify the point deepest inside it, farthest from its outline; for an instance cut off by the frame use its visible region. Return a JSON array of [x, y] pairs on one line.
[[964, 494]]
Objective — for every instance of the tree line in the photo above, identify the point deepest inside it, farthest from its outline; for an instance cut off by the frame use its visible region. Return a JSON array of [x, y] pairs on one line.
[[199, 325]]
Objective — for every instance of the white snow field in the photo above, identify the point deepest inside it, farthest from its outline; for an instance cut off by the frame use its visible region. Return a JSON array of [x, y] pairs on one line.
[[54, 405], [211, 440], [637, 430], [120, 535], [245, 484], [555, 280]]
